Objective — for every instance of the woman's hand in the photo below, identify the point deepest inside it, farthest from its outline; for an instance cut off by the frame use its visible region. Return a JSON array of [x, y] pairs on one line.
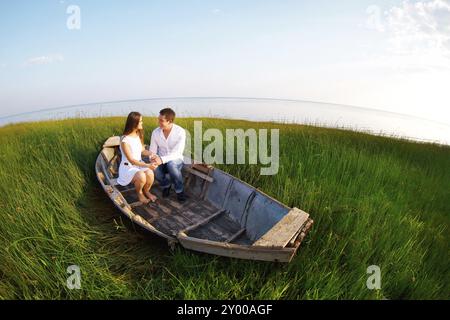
[[147, 153], [152, 166]]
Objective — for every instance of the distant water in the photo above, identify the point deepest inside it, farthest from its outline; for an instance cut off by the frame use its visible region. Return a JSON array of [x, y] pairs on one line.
[[285, 111]]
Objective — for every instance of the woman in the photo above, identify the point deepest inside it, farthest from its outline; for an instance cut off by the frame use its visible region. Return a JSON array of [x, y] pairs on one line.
[[132, 169]]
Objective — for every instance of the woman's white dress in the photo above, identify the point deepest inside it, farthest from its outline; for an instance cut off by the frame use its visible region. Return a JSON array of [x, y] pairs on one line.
[[126, 169]]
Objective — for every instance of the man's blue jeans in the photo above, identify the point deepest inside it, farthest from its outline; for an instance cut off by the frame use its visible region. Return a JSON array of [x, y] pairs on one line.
[[173, 168]]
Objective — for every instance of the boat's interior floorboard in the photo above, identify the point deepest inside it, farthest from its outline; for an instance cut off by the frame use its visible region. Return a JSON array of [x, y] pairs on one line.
[[170, 217], [221, 229]]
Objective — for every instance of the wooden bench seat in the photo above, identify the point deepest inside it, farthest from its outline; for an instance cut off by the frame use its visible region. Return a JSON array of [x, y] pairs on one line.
[[200, 174], [283, 232]]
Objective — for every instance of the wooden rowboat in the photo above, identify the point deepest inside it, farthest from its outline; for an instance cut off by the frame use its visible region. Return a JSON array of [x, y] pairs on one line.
[[222, 215]]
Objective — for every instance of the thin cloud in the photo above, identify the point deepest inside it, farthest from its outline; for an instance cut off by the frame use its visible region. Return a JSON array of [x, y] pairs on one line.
[[421, 26], [41, 60], [418, 33]]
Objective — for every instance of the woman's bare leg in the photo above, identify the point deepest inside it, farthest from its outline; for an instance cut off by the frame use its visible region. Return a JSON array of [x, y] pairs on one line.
[[139, 180], [150, 179]]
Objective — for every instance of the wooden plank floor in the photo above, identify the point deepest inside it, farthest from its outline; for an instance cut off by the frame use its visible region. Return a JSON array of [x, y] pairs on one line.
[[170, 217]]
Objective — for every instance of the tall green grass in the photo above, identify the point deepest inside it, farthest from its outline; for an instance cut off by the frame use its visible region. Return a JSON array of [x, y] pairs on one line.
[[375, 201]]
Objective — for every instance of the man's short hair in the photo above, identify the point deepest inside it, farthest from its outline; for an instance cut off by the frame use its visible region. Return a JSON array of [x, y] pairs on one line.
[[168, 113]]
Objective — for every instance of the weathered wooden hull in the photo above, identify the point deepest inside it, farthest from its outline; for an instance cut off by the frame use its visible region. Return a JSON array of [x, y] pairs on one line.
[[237, 251], [223, 215]]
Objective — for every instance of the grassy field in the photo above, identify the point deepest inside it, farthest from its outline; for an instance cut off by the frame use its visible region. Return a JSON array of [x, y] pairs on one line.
[[375, 201]]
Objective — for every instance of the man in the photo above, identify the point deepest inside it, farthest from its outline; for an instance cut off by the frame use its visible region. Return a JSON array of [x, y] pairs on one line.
[[167, 143]]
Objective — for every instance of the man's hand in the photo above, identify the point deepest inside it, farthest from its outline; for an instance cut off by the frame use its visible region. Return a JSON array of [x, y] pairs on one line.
[[156, 159], [147, 153]]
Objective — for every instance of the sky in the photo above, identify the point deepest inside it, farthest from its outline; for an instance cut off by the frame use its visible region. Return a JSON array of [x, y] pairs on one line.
[[388, 54]]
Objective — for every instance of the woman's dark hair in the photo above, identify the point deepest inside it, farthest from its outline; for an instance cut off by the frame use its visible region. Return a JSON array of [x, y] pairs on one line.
[[132, 123]]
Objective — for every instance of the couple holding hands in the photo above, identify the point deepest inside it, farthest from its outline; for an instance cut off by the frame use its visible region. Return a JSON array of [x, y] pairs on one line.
[[165, 154]]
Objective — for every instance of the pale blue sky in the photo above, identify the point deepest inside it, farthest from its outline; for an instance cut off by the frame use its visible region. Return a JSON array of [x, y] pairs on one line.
[[332, 51]]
